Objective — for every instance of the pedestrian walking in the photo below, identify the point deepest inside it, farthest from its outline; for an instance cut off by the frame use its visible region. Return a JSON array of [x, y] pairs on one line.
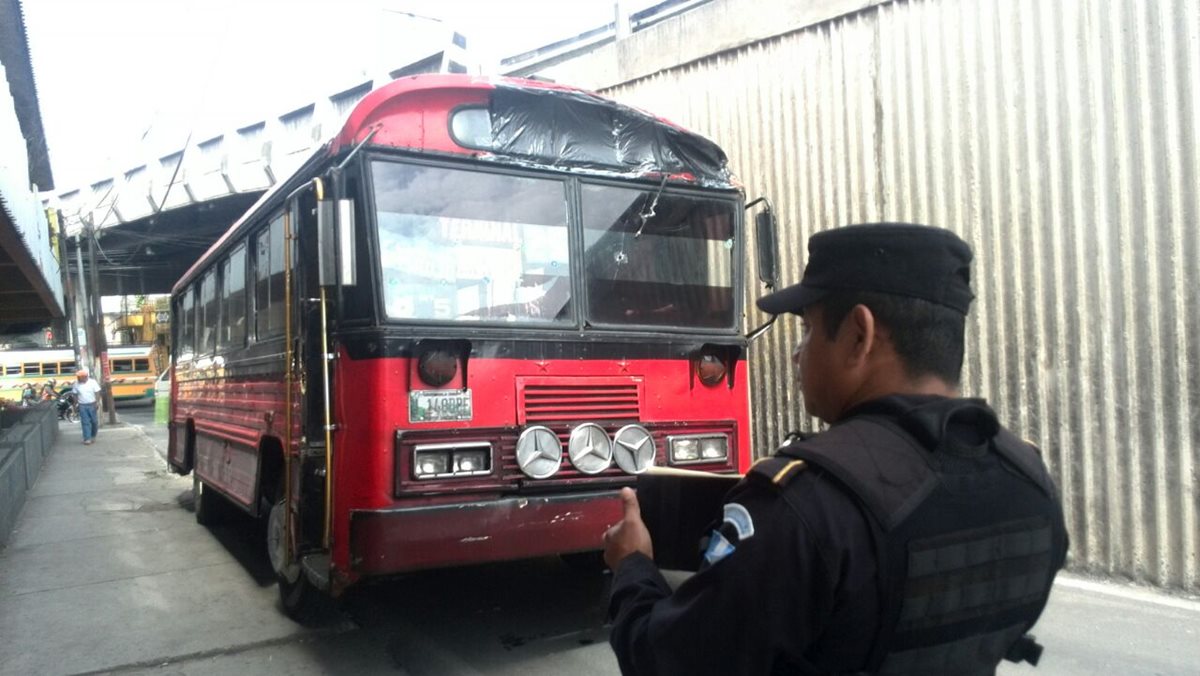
[[87, 392]]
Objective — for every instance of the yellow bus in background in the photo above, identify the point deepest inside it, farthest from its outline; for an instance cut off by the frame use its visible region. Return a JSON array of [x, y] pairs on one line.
[[132, 370], [35, 367]]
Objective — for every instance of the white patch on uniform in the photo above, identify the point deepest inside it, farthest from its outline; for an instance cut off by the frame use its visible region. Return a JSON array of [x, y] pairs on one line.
[[718, 548], [740, 518]]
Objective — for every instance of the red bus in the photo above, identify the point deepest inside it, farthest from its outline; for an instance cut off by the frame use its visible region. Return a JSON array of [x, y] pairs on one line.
[[459, 328]]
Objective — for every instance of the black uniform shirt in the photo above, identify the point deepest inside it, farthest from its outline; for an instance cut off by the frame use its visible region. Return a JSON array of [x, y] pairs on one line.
[[799, 596]]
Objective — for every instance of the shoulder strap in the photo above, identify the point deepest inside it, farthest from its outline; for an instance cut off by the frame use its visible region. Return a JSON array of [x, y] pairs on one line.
[[778, 469], [1026, 458], [877, 460]]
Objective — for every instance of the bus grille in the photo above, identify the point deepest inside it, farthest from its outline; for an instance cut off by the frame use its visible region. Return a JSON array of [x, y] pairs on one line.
[[543, 400]]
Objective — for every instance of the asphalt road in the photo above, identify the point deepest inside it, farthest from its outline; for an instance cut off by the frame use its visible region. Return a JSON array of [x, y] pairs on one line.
[[542, 617]]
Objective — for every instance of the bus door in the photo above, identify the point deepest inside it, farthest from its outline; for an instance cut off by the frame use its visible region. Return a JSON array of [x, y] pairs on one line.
[[310, 362]]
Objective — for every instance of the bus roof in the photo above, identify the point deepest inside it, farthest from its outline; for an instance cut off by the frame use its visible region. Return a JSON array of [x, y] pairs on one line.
[[533, 124], [38, 354], [130, 350]]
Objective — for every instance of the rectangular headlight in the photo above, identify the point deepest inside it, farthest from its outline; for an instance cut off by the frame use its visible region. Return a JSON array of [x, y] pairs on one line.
[[430, 463], [446, 461], [472, 462], [696, 448]]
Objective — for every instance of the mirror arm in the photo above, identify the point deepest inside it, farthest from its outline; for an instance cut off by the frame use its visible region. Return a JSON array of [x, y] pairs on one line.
[[764, 198], [753, 335]]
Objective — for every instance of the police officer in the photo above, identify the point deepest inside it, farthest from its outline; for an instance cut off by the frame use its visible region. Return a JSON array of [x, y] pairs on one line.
[[915, 536]]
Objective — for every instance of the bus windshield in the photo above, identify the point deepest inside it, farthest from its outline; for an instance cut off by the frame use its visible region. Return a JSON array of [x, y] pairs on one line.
[[657, 258], [461, 245], [472, 246]]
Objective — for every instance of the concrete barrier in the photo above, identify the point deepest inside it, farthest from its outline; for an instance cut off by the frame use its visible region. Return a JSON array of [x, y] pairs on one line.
[[26, 438]]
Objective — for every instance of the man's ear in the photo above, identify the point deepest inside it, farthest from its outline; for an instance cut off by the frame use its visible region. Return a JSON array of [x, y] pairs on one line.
[[861, 333]]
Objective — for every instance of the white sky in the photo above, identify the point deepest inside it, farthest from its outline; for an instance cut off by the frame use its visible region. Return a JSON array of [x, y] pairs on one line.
[[109, 72]]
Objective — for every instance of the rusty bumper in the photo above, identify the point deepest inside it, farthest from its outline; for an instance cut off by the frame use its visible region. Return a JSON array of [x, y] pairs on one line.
[[397, 540]]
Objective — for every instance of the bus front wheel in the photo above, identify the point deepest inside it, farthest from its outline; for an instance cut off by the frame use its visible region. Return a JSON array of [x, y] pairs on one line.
[[301, 600]]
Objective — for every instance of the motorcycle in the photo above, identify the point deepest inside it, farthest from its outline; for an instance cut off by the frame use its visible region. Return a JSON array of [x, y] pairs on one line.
[[67, 404]]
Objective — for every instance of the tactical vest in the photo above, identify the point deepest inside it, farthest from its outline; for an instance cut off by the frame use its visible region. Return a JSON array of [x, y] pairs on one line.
[[968, 537]]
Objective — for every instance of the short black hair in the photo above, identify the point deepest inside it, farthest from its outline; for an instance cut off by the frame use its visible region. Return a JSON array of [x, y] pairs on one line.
[[929, 338]]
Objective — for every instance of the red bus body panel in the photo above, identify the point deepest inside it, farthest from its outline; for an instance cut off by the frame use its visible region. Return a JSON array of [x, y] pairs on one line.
[[226, 417], [372, 405]]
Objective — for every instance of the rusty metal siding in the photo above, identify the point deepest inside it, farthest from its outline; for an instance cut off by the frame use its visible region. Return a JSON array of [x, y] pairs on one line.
[[1059, 138]]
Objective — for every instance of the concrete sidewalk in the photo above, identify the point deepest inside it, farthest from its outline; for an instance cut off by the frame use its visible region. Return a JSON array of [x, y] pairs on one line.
[[106, 570]]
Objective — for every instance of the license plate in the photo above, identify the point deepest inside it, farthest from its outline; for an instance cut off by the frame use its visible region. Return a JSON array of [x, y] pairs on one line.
[[439, 406]]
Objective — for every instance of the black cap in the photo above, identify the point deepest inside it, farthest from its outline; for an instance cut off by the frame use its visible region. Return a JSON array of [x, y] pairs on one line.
[[902, 259]]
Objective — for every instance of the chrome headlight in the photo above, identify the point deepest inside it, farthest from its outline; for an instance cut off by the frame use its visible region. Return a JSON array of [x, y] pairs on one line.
[[633, 449], [697, 448], [539, 452], [589, 449]]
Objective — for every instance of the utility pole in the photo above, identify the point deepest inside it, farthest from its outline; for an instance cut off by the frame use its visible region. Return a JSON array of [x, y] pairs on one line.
[[82, 299], [101, 344]]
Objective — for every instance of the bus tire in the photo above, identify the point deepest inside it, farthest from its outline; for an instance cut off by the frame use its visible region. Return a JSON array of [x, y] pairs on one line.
[[301, 599]]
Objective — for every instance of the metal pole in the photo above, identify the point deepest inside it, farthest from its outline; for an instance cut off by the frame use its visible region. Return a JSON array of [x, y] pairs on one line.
[[101, 345], [77, 301]]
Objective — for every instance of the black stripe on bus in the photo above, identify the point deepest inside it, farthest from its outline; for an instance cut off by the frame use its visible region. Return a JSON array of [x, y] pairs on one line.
[[378, 345]]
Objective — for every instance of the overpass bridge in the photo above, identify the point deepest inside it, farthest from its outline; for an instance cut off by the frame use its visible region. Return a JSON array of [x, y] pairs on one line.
[[153, 220]]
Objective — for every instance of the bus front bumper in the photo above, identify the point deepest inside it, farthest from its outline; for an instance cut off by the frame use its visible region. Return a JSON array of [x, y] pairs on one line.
[[397, 540]]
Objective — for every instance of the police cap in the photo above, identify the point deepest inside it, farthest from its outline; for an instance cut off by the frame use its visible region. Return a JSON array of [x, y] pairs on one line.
[[901, 259]]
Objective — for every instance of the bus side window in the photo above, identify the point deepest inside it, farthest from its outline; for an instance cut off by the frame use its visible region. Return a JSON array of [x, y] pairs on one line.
[[262, 288], [33, 369], [233, 299], [276, 310], [50, 368], [208, 323], [222, 295], [187, 324], [141, 365]]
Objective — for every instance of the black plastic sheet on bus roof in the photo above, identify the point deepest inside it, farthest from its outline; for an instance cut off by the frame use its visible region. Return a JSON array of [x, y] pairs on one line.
[[579, 130]]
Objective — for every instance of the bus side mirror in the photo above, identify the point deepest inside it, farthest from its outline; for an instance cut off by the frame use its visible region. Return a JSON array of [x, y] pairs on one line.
[[335, 242], [347, 265], [765, 238], [327, 265]]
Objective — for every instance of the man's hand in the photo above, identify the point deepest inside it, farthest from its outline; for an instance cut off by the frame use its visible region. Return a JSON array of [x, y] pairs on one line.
[[628, 536]]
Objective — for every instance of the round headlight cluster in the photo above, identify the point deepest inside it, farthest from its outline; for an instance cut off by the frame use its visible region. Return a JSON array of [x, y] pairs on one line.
[[591, 451]]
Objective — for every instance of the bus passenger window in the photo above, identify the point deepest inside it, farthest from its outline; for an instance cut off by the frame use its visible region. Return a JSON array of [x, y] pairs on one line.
[[233, 300], [141, 365], [268, 281], [187, 325], [121, 365], [207, 326], [276, 310], [33, 369]]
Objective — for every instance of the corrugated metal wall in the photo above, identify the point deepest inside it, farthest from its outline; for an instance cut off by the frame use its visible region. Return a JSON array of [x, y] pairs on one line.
[[1060, 139]]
